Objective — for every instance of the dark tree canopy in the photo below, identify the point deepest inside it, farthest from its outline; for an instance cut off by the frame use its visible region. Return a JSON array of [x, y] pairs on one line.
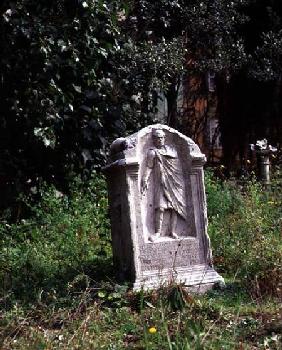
[[55, 83], [77, 73], [250, 103]]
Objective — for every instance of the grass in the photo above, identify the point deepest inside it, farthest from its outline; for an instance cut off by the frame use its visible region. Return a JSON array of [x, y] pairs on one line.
[[227, 319], [245, 231], [58, 289]]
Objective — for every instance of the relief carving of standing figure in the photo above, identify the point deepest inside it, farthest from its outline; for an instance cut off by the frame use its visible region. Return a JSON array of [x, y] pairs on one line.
[[164, 169]]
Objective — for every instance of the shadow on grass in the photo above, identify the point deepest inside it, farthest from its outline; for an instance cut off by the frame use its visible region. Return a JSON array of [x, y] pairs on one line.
[[232, 295], [30, 285]]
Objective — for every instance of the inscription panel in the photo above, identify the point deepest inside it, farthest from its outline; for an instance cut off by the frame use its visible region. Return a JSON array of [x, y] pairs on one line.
[[170, 254]]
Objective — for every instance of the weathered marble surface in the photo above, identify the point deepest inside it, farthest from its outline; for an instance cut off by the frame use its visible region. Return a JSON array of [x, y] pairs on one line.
[[158, 210], [263, 151]]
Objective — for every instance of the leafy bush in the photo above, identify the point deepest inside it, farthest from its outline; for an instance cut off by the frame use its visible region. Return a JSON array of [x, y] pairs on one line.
[[65, 243], [245, 229], [66, 236], [50, 261]]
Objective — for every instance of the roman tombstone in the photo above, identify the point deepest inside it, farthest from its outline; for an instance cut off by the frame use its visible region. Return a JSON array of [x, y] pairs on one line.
[[158, 210]]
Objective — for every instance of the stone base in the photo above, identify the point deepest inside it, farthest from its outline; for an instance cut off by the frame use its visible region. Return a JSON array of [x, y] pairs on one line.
[[197, 279]]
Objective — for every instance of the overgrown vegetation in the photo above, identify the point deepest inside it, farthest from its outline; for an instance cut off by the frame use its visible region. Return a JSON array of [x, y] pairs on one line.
[[66, 237], [74, 75], [77, 73], [58, 288], [245, 228]]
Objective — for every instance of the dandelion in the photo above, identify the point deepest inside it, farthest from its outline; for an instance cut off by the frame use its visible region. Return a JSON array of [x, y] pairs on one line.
[[152, 330]]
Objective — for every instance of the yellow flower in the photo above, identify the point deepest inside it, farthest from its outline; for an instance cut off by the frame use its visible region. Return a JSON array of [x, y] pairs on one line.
[[152, 330]]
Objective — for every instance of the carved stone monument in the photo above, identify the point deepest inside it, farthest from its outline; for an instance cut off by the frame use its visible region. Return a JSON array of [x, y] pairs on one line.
[[158, 210], [263, 151]]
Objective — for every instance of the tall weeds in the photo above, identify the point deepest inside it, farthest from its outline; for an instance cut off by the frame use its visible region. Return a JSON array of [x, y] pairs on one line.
[[245, 228]]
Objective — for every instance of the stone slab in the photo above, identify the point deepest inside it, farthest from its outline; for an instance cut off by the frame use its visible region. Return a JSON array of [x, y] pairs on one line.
[[158, 210]]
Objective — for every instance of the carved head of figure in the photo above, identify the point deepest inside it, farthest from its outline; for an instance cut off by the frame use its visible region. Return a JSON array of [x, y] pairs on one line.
[[158, 138]]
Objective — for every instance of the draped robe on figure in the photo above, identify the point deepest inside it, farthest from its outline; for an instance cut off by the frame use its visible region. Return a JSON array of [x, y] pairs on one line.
[[169, 190]]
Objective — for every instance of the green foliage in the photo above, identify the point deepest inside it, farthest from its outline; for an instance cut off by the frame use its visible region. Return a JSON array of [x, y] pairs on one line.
[[263, 39], [67, 237], [57, 291], [75, 74], [245, 229], [223, 197], [204, 323], [55, 90], [264, 68], [249, 105]]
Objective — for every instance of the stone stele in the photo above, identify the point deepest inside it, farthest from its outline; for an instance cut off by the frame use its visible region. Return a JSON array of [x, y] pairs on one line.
[[158, 210]]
